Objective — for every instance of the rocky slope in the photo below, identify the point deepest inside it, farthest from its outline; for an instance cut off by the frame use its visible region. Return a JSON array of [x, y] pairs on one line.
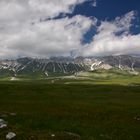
[[64, 66]]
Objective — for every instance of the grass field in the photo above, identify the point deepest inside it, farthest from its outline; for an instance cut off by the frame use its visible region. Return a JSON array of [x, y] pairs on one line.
[[44, 111]]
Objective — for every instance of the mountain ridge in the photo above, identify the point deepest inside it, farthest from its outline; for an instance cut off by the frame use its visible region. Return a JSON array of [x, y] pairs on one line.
[[67, 65]]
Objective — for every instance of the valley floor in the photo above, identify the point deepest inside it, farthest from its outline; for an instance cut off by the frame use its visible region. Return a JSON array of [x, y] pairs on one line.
[[42, 111]]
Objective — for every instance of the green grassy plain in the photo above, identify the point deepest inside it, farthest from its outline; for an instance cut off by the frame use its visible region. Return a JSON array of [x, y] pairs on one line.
[[58, 111]]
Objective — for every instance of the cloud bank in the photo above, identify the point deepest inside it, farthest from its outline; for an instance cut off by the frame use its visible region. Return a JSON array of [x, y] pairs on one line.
[[29, 28]]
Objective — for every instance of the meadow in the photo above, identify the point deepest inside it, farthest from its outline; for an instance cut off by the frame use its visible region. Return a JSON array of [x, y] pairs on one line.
[[40, 110]]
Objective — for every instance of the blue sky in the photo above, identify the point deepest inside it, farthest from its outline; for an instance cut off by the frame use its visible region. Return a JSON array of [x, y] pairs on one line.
[[109, 10], [44, 28]]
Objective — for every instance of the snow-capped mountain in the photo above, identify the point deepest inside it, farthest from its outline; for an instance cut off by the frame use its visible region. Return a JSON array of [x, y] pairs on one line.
[[66, 65]]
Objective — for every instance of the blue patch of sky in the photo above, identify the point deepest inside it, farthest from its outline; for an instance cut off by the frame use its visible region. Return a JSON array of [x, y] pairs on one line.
[[105, 10], [88, 36], [108, 10]]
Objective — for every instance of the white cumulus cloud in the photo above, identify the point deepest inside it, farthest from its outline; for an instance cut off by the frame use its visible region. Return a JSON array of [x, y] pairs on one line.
[[43, 39], [114, 38], [25, 32]]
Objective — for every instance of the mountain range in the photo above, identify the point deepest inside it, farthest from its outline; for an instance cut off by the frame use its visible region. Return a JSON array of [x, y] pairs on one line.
[[61, 66]]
